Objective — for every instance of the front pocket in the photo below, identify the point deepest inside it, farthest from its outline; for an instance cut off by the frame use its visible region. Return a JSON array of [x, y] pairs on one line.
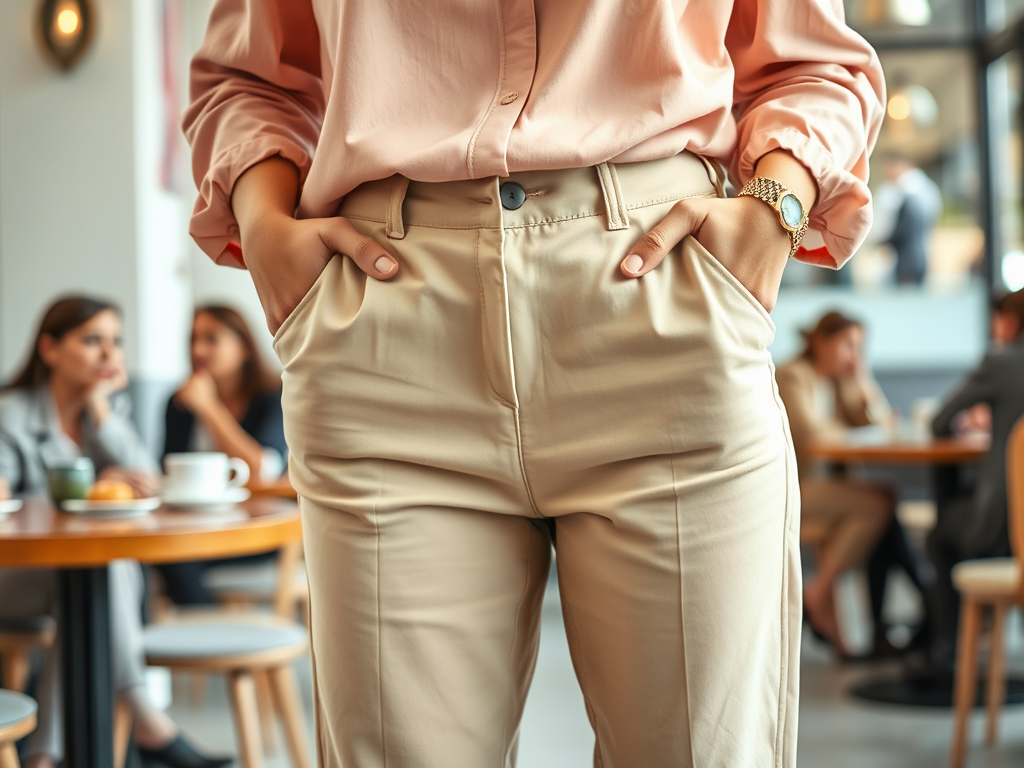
[[300, 308], [731, 281]]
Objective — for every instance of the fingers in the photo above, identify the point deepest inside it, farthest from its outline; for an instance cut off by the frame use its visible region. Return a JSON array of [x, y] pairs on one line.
[[685, 218], [341, 237]]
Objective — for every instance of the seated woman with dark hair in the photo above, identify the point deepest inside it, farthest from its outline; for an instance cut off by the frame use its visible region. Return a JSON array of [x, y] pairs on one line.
[[231, 404], [61, 406]]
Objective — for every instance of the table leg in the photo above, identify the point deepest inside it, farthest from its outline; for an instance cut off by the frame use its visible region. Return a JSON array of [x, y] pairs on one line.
[[85, 650]]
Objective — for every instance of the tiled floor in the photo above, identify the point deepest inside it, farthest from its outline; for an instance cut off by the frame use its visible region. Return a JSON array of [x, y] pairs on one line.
[[835, 731]]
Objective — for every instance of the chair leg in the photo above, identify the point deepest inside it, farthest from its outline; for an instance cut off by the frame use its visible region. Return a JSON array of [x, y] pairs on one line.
[[197, 689], [966, 676], [14, 669], [996, 673], [122, 731], [9, 756], [289, 707], [247, 720], [265, 703]]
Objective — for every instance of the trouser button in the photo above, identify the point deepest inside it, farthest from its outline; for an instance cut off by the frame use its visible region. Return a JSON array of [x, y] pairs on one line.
[[512, 196]]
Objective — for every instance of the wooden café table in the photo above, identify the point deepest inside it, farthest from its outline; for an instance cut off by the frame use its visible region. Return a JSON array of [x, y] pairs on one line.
[[81, 548], [934, 452]]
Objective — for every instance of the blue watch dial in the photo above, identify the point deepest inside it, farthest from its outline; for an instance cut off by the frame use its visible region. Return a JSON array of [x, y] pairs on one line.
[[792, 211]]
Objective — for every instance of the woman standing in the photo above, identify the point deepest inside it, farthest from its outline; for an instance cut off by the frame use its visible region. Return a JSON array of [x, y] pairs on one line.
[[61, 406], [508, 292], [231, 404]]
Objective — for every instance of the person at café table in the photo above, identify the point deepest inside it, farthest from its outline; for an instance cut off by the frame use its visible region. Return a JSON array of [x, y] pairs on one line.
[[827, 390], [61, 406], [231, 404], [972, 522]]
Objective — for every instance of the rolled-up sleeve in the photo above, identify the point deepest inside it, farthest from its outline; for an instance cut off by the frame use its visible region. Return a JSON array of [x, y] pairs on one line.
[[808, 84], [255, 92]]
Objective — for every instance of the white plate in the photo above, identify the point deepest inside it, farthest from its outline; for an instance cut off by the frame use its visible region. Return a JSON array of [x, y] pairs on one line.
[[208, 504], [8, 506], [121, 508]]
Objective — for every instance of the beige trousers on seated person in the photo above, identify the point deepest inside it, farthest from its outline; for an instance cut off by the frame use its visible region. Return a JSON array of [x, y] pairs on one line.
[[510, 379]]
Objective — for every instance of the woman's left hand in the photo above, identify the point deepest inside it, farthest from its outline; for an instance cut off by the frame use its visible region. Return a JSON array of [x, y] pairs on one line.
[[98, 403], [198, 394], [743, 233]]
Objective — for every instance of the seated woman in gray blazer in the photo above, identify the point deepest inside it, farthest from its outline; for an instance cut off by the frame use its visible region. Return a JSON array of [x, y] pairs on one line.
[[61, 406]]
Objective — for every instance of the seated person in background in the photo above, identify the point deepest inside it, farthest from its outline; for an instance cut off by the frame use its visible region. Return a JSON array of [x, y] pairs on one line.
[[60, 407], [232, 404], [826, 391], [972, 523]]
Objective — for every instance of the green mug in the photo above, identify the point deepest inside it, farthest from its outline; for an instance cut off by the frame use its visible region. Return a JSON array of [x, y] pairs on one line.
[[70, 479]]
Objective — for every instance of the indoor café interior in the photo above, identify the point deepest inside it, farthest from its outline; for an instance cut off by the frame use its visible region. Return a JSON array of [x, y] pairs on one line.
[[190, 578]]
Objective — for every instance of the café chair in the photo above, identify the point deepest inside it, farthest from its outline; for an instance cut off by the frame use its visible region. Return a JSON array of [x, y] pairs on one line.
[[241, 648], [17, 719], [281, 584], [266, 583], [992, 584], [18, 639]]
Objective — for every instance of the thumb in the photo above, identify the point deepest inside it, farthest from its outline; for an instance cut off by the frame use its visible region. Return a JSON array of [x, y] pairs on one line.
[[685, 218], [341, 237]]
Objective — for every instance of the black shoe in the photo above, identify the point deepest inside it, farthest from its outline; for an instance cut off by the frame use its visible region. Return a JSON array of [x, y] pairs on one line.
[[180, 754]]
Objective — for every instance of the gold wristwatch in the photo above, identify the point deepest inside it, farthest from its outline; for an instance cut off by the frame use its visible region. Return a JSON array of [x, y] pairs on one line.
[[791, 212]]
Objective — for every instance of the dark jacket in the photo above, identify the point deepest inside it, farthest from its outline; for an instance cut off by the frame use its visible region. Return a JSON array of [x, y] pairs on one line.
[[999, 382], [263, 421]]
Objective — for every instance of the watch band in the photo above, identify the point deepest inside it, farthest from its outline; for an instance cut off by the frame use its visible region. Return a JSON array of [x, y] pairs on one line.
[[787, 206]]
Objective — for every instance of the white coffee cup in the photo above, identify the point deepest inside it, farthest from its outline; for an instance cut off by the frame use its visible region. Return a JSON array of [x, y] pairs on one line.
[[202, 476]]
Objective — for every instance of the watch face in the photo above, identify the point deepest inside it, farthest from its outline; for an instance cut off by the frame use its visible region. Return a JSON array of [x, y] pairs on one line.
[[792, 211]]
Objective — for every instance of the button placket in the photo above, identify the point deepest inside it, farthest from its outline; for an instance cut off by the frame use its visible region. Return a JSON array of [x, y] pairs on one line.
[[489, 145]]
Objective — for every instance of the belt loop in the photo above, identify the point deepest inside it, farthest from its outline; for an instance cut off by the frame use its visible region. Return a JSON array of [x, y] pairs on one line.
[[715, 173], [395, 223], [614, 203]]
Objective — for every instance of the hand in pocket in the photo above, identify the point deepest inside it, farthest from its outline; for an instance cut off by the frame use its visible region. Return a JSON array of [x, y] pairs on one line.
[[743, 233], [285, 256]]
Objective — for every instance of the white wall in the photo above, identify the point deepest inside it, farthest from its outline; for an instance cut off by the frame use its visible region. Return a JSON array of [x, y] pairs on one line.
[[82, 207], [67, 184]]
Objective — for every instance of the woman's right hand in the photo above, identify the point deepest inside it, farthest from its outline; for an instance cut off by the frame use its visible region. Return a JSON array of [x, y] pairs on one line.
[[5, 490], [286, 255]]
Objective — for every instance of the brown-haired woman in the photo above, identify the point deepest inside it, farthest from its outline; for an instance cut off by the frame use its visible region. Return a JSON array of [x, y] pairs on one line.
[[61, 406], [827, 390], [232, 404]]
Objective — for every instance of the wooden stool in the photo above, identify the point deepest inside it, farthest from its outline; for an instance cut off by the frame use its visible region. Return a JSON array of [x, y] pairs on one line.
[[17, 719], [242, 649], [983, 585], [18, 638], [996, 584]]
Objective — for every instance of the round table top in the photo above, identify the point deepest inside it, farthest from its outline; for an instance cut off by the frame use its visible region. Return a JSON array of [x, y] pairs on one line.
[[954, 450], [39, 535]]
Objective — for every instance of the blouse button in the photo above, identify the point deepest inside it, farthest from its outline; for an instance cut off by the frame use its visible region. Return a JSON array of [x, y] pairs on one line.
[[509, 97]]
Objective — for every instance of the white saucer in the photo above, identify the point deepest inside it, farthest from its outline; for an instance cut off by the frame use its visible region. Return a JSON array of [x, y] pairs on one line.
[[228, 499], [8, 506], [121, 508]]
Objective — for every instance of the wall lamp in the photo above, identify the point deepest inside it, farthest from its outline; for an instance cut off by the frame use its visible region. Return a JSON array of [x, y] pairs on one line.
[[66, 27]]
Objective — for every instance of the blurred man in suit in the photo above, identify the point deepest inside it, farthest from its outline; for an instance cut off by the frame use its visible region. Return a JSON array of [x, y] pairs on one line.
[[972, 523]]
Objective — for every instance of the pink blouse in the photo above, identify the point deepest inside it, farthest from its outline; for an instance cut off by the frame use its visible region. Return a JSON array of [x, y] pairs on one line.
[[354, 90]]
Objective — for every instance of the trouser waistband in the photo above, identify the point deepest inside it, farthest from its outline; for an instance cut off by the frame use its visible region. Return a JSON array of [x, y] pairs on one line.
[[610, 190]]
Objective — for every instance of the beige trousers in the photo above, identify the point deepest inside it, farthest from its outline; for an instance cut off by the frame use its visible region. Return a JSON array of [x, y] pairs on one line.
[[508, 381]]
